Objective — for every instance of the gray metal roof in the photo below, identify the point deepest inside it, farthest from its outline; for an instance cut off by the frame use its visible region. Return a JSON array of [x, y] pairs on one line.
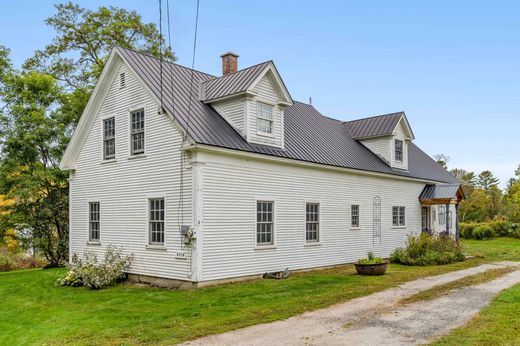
[[440, 191], [232, 84], [309, 136], [380, 125]]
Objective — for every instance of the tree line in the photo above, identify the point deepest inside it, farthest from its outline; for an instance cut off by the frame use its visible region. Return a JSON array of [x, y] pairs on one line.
[[40, 106], [484, 200]]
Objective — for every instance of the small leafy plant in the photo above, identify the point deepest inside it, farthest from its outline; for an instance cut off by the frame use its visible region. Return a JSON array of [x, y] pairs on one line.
[[371, 259], [88, 271]]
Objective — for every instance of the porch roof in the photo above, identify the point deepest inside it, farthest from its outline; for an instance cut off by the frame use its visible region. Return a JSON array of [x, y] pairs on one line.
[[441, 194]]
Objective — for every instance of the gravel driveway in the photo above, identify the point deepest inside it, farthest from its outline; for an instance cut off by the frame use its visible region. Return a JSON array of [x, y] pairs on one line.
[[378, 319]]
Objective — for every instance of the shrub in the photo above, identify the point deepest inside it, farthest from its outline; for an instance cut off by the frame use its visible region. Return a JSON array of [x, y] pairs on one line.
[[17, 261], [500, 227], [428, 249], [466, 230], [514, 230], [483, 232], [88, 271]]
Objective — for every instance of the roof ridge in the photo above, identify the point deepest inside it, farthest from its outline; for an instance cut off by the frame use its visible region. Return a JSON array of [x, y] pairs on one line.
[[166, 61], [242, 70], [374, 116]]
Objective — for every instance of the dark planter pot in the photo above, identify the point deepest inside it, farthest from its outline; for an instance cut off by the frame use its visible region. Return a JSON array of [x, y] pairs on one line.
[[371, 269]]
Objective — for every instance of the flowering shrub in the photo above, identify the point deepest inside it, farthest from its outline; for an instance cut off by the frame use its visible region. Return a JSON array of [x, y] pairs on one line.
[[428, 249], [88, 271]]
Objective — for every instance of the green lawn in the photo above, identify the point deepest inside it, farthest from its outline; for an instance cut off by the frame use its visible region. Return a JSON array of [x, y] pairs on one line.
[[34, 311]]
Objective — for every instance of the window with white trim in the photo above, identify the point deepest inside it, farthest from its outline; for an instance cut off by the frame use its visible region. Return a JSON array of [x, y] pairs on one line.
[[264, 118], [398, 150], [93, 221], [264, 223], [156, 220], [109, 138], [398, 216], [312, 222], [137, 132], [442, 214], [354, 216]]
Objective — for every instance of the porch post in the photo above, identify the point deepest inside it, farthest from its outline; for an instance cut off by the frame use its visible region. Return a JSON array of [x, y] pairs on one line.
[[447, 218], [457, 222]]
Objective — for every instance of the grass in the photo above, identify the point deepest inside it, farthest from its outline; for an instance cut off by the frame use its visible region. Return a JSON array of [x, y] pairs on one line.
[[441, 290], [34, 311]]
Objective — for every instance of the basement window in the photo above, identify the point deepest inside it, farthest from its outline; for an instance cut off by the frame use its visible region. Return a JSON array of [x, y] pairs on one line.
[[398, 216], [264, 118]]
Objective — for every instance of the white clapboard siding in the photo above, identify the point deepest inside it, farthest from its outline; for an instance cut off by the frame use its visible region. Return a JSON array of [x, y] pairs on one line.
[[380, 146], [231, 186], [266, 93], [234, 113], [123, 186]]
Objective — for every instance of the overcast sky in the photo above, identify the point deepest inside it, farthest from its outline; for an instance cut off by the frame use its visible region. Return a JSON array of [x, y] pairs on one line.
[[452, 66]]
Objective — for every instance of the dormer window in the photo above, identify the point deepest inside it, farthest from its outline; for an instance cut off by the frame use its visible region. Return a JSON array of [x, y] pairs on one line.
[[398, 150], [264, 118]]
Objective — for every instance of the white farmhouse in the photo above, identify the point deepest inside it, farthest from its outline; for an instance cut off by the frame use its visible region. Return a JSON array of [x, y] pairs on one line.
[[208, 178]]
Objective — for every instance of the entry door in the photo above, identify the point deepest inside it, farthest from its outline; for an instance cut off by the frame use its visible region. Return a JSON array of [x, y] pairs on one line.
[[425, 219]]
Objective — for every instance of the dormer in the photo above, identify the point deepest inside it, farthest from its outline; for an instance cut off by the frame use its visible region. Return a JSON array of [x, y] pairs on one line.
[[251, 100], [388, 136]]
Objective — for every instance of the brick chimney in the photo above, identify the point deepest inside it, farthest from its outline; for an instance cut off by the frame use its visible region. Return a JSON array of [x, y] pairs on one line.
[[229, 63]]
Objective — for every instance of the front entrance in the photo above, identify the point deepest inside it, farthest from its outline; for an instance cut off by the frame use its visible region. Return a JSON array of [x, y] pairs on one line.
[[425, 219]]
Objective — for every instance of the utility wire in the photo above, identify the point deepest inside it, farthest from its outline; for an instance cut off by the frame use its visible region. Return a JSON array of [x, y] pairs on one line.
[[192, 67], [160, 56]]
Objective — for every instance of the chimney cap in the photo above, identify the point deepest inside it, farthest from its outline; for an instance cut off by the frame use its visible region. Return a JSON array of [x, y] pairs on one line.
[[229, 53]]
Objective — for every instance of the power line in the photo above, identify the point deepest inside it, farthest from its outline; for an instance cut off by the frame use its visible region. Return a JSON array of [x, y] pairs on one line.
[[160, 56], [193, 67]]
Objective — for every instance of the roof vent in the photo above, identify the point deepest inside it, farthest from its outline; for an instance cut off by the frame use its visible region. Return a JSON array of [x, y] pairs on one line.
[[229, 63]]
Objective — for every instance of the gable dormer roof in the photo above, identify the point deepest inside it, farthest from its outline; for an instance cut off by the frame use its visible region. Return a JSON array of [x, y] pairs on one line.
[[232, 84], [242, 82], [378, 126]]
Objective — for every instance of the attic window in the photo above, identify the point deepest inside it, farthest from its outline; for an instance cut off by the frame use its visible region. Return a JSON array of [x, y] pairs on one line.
[[122, 82], [398, 150]]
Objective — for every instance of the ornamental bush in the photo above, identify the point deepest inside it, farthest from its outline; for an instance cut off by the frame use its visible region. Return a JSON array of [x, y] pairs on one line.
[[88, 271], [483, 232], [500, 227], [427, 249]]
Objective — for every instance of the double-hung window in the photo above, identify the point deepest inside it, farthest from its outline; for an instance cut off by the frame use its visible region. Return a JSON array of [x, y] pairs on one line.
[[93, 221], [398, 150], [398, 216], [156, 221], [442, 215], [354, 216], [312, 222], [264, 118], [109, 138], [137, 132], [264, 223]]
